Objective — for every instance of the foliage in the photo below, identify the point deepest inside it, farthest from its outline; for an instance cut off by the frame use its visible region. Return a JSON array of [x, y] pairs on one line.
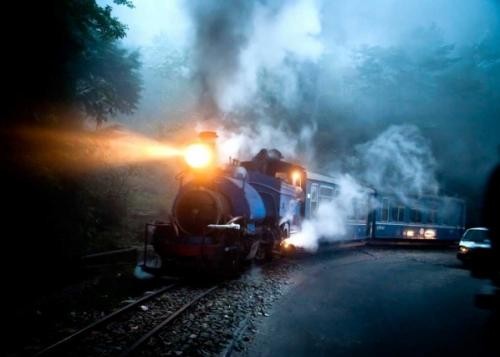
[[66, 55], [113, 84], [63, 62]]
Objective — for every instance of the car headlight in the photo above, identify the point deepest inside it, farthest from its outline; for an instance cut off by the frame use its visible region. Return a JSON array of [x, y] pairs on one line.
[[463, 249]]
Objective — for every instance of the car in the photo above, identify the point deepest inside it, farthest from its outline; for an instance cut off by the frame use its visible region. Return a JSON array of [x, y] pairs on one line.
[[475, 246]]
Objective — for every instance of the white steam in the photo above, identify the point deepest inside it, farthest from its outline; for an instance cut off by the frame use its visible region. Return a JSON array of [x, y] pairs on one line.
[[290, 33], [248, 141], [240, 44], [398, 162], [330, 221]]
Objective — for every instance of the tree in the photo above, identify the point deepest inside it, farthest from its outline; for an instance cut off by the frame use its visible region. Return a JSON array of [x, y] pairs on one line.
[[62, 61], [65, 55]]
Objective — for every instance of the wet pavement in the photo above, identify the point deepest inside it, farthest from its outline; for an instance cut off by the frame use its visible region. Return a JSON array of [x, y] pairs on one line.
[[377, 301]]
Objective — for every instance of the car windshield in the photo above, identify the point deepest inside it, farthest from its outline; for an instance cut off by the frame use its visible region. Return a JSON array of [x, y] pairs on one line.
[[476, 235]]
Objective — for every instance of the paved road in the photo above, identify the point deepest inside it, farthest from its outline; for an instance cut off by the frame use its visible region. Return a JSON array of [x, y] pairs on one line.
[[379, 302]]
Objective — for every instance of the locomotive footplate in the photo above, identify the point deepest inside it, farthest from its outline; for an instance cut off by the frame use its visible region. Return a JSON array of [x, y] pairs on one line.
[[180, 252]]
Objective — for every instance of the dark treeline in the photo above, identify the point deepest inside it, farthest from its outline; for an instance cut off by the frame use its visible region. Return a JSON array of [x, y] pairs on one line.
[[63, 68]]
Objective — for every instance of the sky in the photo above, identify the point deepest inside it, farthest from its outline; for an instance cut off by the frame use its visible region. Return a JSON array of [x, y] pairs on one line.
[[332, 76], [151, 18]]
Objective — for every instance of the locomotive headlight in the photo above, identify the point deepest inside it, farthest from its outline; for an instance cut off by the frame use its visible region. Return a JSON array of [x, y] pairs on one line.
[[296, 178], [198, 155], [409, 233]]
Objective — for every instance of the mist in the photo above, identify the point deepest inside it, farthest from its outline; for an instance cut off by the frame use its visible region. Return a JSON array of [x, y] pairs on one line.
[[330, 76]]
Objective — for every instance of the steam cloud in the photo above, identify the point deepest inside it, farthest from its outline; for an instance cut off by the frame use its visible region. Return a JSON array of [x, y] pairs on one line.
[[246, 142], [239, 42], [398, 162], [330, 222]]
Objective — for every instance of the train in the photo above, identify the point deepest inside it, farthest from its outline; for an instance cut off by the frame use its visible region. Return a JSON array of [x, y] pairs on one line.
[[225, 216], [432, 218]]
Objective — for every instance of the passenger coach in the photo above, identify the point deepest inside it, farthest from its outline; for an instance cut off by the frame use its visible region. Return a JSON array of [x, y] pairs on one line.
[[431, 218]]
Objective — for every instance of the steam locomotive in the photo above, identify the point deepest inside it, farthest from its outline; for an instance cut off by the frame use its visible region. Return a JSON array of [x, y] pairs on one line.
[[222, 217]]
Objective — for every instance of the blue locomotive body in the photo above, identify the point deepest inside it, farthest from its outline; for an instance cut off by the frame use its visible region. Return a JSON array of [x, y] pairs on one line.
[[227, 216]]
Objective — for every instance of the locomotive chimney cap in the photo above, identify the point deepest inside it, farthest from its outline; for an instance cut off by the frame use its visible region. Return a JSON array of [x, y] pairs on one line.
[[208, 135]]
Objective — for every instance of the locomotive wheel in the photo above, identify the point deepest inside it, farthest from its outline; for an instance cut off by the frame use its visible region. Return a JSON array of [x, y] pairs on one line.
[[264, 253], [284, 231], [233, 264], [284, 234]]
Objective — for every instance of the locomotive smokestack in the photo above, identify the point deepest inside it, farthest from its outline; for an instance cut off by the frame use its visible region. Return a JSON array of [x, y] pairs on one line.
[[208, 138]]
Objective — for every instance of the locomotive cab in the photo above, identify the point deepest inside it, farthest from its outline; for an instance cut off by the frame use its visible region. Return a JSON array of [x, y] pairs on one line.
[[282, 186]]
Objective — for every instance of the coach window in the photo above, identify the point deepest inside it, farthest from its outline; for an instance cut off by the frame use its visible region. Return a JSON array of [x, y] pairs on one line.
[[394, 213], [415, 215], [314, 197], [353, 213], [401, 213], [432, 217], [397, 213], [384, 211], [452, 216], [361, 210], [325, 193]]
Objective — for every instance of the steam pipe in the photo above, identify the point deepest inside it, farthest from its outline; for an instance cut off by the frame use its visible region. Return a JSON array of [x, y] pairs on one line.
[[225, 226]]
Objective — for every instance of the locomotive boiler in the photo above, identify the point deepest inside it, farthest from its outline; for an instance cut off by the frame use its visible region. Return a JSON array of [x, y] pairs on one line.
[[225, 216]]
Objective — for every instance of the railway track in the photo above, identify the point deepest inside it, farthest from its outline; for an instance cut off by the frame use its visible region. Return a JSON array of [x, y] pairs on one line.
[[111, 318], [129, 351]]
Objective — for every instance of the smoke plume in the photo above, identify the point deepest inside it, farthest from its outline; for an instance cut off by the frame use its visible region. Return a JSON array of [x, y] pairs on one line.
[[399, 162], [244, 142], [238, 43]]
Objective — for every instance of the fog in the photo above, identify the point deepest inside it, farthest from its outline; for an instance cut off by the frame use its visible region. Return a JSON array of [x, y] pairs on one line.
[[330, 76]]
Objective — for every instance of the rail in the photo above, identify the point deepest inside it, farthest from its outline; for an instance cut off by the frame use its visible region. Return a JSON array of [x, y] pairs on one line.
[[52, 348]]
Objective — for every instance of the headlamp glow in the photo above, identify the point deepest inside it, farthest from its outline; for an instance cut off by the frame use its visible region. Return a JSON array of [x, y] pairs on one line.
[[198, 155]]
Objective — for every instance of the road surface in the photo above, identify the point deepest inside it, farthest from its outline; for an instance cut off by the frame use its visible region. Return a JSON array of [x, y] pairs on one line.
[[380, 302]]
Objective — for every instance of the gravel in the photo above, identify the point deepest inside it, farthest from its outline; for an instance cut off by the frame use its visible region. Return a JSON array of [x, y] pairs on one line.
[[225, 320], [46, 318], [121, 333], [218, 324]]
